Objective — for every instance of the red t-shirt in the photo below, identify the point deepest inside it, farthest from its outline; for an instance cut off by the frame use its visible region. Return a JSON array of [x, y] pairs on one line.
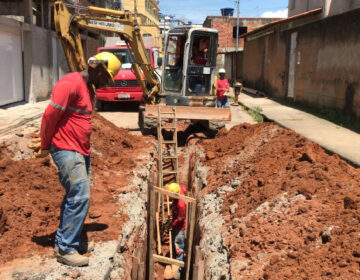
[[178, 209], [66, 122], [200, 58], [222, 85]]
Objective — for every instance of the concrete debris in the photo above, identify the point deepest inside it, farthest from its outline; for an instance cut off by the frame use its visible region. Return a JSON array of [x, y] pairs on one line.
[[233, 208], [216, 255]]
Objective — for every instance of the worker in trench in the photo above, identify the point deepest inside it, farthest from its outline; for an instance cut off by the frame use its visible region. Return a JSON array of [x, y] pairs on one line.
[[65, 134], [178, 221]]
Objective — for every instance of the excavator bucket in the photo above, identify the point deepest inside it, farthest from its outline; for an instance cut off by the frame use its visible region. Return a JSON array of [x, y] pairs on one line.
[[190, 113]]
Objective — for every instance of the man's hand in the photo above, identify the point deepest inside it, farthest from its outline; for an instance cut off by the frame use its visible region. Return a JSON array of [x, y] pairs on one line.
[[41, 153], [36, 146]]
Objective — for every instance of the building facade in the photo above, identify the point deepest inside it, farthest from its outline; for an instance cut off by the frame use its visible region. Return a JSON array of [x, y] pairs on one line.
[[330, 7], [148, 12], [308, 59], [32, 58]]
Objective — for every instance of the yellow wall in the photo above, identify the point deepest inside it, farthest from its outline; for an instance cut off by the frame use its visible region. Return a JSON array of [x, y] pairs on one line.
[[149, 13]]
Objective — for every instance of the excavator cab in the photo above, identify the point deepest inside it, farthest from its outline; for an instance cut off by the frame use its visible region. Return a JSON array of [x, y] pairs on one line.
[[188, 81], [189, 67]]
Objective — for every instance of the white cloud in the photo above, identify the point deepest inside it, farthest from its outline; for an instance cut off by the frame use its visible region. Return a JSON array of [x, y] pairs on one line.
[[275, 14]]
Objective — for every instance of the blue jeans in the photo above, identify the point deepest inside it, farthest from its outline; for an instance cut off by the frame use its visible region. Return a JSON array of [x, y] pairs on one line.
[[74, 175], [222, 102], [179, 242]]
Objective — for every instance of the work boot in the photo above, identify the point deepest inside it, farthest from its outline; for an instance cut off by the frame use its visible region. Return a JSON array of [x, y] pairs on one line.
[[86, 247], [72, 259]]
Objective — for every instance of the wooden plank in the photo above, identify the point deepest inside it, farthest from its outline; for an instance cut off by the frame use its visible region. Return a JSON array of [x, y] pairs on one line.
[[151, 197], [195, 272], [198, 265], [191, 113], [175, 195], [141, 271], [191, 237], [170, 231], [158, 233], [134, 269], [166, 260]]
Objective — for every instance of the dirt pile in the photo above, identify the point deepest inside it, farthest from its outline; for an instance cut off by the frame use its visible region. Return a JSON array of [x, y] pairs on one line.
[[30, 193], [292, 209]]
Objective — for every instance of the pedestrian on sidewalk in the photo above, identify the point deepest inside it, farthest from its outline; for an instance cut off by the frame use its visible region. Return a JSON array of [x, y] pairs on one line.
[[65, 133], [222, 89], [178, 211]]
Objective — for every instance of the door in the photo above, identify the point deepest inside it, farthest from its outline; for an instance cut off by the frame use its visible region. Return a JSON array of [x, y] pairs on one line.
[[11, 66], [201, 63], [292, 60]]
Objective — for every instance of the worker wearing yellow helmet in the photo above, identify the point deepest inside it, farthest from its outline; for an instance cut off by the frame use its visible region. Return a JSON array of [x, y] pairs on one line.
[[65, 133], [109, 62], [178, 210]]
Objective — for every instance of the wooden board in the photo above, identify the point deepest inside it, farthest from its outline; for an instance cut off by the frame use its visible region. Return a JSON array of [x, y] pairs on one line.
[[190, 113], [166, 260], [192, 217], [158, 233], [175, 195], [151, 241]]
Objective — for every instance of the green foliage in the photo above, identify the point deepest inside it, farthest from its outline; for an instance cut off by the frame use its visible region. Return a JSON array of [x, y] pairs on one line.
[[255, 112]]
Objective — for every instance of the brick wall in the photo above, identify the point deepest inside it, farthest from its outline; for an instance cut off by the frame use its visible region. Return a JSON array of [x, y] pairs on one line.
[[225, 34], [225, 25]]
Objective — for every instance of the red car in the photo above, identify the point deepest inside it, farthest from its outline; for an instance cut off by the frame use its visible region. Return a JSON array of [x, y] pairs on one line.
[[125, 88]]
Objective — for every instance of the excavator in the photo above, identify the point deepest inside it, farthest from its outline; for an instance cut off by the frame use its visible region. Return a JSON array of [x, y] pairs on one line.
[[189, 64]]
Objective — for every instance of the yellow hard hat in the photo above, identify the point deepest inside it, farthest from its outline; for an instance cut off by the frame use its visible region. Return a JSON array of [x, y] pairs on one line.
[[110, 62], [174, 187]]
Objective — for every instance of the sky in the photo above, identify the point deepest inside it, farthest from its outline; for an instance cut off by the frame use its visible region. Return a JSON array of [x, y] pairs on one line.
[[197, 10]]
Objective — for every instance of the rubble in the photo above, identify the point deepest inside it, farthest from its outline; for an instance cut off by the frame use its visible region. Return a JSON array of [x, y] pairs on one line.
[[291, 210]]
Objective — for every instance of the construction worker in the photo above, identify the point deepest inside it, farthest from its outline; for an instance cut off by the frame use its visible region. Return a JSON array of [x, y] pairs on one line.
[[222, 90], [178, 210], [65, 134]]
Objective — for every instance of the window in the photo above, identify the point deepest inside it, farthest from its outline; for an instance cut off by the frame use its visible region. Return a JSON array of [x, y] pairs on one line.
[[242, 30], [199, 50], [174, 62]]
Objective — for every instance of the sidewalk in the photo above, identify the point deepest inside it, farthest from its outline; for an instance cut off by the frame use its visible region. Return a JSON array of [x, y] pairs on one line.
[[330, 136], [20, 114]]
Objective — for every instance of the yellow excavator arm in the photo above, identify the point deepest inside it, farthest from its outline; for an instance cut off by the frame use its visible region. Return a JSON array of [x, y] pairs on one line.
[[122, 23]]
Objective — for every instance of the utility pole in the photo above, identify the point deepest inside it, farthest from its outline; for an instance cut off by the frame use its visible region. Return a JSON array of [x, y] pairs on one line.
[[237, 25], [237, 39]]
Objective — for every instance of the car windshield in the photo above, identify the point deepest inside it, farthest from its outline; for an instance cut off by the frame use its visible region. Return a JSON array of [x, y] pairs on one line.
[[124, 56]]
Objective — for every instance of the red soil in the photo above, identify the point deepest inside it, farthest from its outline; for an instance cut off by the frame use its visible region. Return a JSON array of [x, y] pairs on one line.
[[30, 193], [309, 226]]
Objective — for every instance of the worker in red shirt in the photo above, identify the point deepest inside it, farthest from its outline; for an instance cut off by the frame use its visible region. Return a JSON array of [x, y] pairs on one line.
[[65, 133], [178, 210], [222, 89]]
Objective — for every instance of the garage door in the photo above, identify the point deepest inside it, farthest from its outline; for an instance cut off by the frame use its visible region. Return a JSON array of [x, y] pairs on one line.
[[11, 73]]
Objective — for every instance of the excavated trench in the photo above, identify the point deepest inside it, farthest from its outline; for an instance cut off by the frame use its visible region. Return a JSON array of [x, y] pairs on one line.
[[270, 205]]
